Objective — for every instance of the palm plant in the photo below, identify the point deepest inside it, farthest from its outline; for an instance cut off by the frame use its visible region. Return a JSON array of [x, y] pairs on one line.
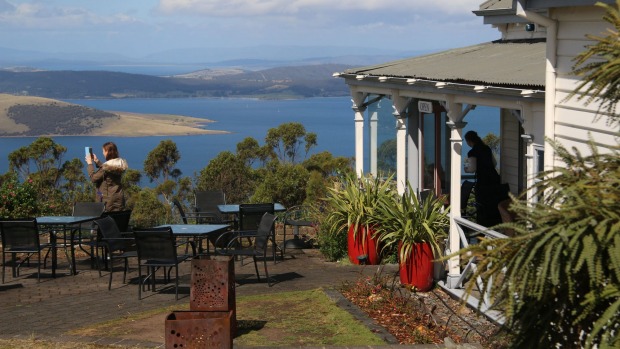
[[560, 274], [601, 76]]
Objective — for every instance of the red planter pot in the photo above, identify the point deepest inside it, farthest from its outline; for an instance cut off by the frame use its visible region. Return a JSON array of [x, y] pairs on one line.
[[362, 246], [417, 271]]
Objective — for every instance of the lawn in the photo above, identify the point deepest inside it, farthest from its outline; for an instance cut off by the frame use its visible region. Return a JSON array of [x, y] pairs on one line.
[[301, 318]]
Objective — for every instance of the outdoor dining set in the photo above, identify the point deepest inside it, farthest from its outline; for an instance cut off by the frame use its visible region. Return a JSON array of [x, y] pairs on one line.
[[213, 227]]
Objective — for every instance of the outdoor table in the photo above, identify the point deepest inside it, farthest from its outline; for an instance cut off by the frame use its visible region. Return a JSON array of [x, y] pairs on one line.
[[199, 231], [61, 223], [234, 208]]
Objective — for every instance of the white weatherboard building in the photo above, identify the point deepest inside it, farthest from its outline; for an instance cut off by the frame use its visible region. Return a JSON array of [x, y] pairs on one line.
[[526, 74]]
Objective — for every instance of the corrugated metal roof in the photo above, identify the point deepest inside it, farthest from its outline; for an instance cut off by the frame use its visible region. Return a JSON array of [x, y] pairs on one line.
[[497, 4], [495, 63]]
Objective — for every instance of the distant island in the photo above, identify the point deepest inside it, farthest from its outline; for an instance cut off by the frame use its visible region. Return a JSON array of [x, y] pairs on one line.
[[22, 116]]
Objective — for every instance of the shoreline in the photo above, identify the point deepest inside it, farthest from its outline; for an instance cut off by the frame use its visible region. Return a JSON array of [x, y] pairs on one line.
[[125, 124]]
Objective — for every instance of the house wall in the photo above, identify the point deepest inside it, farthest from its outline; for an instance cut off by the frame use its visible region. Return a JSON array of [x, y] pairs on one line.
[[516, 31], [574, 122], [509, 139]]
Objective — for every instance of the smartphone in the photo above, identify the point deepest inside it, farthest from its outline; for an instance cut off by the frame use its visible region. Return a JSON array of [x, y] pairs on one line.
[[88, 151]]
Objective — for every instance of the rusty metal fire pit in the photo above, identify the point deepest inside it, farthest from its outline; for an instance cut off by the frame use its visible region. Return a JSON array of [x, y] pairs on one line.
[[199, 329], [212, 284]]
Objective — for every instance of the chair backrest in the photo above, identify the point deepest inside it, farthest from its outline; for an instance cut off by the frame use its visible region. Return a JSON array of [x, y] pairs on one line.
[[121, 218], [88, 208], [250, 215], [19, 233], [109, 230], [266, 226], [179, 208], [425, 195], [156, 244], [206, 201]]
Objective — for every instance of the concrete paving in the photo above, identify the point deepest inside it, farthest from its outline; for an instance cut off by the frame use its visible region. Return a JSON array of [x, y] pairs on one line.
[[54, 306]]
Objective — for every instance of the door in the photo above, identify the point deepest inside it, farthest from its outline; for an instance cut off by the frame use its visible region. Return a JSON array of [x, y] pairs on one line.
[[435, 146]]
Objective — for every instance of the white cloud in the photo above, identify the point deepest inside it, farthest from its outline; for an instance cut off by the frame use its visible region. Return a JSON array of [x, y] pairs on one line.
[[39, 15], [234, 8]]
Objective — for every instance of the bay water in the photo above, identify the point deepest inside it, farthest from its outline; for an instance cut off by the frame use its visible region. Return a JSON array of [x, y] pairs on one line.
[[330, 118]]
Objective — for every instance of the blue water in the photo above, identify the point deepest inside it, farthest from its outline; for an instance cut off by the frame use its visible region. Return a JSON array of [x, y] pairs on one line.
[[330, 118]]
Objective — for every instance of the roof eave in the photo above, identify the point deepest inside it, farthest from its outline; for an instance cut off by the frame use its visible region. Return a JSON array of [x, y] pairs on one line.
[[443, 87]]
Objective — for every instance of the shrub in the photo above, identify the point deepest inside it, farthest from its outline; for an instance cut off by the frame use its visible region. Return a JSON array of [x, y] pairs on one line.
[[18, 200]]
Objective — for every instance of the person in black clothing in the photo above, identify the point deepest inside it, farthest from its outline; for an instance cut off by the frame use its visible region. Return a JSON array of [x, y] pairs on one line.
[[488, 188]]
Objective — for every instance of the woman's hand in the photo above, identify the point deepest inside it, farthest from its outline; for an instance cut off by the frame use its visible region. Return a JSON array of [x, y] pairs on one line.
[[88, 160]]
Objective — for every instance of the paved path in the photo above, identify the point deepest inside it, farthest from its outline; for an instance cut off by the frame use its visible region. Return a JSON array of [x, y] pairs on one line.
[[49, 309]]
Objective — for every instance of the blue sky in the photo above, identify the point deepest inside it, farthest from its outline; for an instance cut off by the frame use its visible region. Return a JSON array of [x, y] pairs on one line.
[[139, 27]]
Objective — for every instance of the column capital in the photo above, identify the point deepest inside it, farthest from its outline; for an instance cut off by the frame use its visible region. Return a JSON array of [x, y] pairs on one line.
[[456, 125], [358, 109]]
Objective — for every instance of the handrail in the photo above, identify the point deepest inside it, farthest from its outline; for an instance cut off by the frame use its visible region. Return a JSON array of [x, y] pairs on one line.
[[472, 265]]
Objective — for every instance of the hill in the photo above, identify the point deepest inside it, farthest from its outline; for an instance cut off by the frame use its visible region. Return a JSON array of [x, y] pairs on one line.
[[290, 82], [35, 116]]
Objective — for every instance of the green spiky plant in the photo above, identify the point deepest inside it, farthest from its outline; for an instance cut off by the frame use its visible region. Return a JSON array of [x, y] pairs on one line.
[[599, 66], [558, 280], [353, 201], [408, 221]]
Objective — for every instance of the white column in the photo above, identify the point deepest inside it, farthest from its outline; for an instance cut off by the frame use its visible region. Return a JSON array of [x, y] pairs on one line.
[[374, 126], [359, 139], [401, 152], [400, 105], [413, 150], [455, 116]]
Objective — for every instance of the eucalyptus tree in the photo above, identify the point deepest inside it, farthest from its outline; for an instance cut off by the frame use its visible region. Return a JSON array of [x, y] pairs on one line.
[[57, 182], [160, 167]]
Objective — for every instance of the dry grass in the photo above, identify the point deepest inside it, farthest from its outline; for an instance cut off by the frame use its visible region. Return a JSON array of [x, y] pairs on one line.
[[129, 124]]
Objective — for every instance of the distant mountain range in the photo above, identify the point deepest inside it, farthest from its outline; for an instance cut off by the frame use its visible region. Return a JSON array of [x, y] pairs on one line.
[[263, 71], [281, 82]]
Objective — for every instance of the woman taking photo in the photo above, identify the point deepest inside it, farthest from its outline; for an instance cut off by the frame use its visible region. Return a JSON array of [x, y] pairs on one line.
[[108, 177]]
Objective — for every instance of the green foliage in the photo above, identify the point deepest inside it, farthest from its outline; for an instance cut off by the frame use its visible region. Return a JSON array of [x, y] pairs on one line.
[[386, 156], [333, 245], [406, 220], [558, 280], [148, 211], [56, 183], [328, 165], [285, 140], [20, 200], [248, 150], [284, 183], [229, 173], [599, 65], [160, 162], [353, 201]]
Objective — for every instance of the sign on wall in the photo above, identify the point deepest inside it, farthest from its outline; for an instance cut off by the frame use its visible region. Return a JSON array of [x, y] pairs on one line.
[[425, 106]]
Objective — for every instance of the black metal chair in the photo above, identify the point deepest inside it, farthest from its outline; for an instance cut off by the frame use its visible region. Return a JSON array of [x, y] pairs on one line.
[[84, 233], [20, 236], [116, 245], [177, 205], [121, 218], [205, 209], [260, 244], [297, 217], [250, 216], [157, 249]]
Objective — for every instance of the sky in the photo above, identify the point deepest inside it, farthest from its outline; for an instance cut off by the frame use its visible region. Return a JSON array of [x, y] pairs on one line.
[[137, 28]]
